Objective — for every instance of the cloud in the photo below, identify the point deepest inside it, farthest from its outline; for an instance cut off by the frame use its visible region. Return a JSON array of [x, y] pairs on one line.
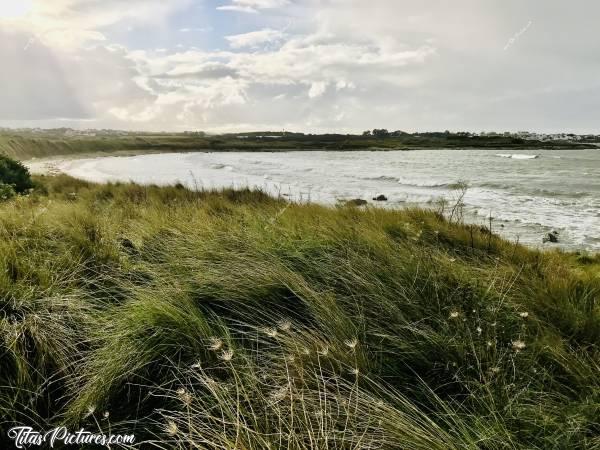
[[252, 6], [317, 88], [254, 38], [63, 63]]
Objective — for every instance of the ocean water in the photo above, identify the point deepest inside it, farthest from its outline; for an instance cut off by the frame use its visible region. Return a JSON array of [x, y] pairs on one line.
[[528, 193]]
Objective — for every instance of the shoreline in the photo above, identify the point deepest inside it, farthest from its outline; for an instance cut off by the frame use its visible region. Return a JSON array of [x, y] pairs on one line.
[[524, 231]]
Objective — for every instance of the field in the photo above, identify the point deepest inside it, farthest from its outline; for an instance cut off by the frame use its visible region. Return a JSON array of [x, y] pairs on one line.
[[231, 319]]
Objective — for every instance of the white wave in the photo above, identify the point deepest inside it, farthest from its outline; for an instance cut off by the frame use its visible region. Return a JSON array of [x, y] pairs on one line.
[[517, 156]]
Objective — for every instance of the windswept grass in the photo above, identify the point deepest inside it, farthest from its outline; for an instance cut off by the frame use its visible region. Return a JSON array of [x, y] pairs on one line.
[[233, 320]]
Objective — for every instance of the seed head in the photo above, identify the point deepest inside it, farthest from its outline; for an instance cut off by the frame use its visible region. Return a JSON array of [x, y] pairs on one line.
[[324, 351], [518, 345], [215, 344], [227, 355], [351, 343], [285, 325], [171, 428], [271, 332]]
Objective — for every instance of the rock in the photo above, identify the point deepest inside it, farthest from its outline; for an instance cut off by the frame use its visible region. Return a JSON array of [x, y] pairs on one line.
[[380, 198], [356, 202], [551, 237]]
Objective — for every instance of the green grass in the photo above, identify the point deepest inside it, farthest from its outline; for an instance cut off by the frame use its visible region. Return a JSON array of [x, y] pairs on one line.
[[234, 320]]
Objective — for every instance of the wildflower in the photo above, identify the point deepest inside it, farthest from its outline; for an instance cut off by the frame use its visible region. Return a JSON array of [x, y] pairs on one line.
[[227, 355], [197, 365], [271, 332], [454, 314], [354, 371], [452, 259], [351, 343], [524, 314], [479, 330], [171, 428], [215, 344], [518, 345], [106, 415], [285, 325], [489, 343]]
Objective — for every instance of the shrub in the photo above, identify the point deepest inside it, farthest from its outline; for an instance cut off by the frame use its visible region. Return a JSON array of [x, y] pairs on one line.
[[6, 191], [14, 173]]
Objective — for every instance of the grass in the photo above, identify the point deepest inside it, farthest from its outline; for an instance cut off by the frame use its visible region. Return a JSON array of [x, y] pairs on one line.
[[231, 319]]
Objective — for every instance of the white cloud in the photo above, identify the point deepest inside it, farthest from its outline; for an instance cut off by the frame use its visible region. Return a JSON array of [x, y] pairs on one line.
[[317, 88], [254, 38], [252, 6], [421, 69]]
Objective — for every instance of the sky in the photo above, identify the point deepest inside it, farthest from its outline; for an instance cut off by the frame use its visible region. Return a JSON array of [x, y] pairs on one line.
[[301, 65]]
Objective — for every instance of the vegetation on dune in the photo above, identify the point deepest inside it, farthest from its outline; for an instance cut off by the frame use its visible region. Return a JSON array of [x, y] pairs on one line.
[[234, 320], [26, 145], [14, 178]]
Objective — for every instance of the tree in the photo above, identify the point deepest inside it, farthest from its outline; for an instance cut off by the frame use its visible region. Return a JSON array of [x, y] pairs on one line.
[[381, 133], [14, 173], [367, 133]]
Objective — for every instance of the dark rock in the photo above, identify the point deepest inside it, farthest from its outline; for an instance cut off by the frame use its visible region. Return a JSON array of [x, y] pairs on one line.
[[551, 237], [380, 198], [356, 202]]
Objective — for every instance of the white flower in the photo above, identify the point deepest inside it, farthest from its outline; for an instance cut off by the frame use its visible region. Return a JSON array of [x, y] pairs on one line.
[[524, 314], [490, 343], [454, 314], [227, 355], [351, 343], [354, 371], [479, 330]]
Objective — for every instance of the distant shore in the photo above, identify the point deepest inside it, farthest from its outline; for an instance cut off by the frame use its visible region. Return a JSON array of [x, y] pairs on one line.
[[26, 146]]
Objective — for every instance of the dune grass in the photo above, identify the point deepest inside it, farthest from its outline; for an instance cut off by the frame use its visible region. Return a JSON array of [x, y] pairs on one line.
[[234, 320]]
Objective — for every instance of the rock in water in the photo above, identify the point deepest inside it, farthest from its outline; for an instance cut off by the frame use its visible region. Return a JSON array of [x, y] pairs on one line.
[[551, 237]]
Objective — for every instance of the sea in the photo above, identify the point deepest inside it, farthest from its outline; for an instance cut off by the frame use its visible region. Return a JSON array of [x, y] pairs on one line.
[[528, 194]]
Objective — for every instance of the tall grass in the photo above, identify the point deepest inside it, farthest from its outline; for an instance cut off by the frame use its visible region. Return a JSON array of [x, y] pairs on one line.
[[234, 320]]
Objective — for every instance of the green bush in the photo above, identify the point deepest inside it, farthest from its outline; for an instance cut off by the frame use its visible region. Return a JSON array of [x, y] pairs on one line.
[[7, 191], [14, 173]]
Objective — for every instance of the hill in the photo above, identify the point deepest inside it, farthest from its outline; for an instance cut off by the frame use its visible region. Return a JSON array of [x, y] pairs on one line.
[[231, 319]]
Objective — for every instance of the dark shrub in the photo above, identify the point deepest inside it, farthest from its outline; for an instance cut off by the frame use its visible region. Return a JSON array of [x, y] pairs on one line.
[[14, 173]]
